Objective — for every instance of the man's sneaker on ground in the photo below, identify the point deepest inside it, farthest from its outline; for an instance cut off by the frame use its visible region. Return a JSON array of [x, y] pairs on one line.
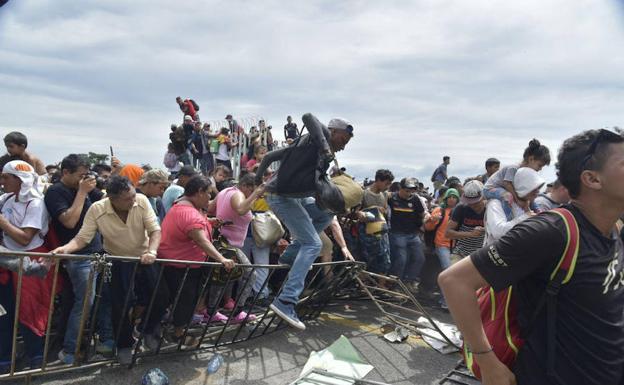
[[216, 317], [105, 347], [287, 313], [124, 356], [243, 316], [229, 304], [66, 358]]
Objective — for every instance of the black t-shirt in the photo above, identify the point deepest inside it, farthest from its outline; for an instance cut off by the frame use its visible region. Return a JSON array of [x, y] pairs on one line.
[[590, 307], [59, 199], [406, 216], [467, 219], [291, 130]]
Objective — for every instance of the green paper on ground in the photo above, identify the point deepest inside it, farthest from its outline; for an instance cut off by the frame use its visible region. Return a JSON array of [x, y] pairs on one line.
[[341, 358]]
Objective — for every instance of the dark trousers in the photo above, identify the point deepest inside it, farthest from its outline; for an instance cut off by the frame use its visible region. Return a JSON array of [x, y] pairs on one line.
[[33, 344], [168, 290], [138, 292]]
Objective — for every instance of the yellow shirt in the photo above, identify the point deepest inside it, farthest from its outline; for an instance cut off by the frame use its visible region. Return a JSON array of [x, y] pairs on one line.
[[260, 205], [125, 239]]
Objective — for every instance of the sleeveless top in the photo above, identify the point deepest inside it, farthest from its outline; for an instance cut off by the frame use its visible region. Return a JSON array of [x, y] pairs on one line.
[[236, 232]]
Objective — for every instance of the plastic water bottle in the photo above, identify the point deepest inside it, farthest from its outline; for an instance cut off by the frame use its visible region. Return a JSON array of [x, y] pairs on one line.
[[155, 376], [214, 363]]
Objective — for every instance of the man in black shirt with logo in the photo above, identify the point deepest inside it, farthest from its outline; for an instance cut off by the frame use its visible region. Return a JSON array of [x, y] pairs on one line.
[[406, 219], [589, 323]]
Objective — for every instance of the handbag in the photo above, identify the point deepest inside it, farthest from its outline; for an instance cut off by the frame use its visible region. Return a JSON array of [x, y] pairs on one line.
[[219, 275], [266, 229], [339, 193]]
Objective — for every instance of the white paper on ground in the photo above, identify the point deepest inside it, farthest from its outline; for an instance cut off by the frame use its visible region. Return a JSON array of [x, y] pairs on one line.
[[340, 357], [435, 340]]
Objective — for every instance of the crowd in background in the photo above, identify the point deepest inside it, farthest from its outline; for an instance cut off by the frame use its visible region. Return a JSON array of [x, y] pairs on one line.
[[210, 193]]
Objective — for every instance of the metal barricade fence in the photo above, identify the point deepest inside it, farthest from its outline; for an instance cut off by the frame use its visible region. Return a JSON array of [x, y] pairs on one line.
[[323, 281]]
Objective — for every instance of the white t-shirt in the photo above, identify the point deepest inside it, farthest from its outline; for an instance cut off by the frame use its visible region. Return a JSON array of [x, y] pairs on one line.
[[31, 214], [224, 152]]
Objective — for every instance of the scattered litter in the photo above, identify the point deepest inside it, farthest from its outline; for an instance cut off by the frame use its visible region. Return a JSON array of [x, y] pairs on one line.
[[435, 339], [339, 359], [214, 363], [155, 376], [399, 334]]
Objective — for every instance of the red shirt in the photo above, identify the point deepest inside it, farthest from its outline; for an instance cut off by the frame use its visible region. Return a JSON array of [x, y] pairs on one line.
[[175, 243], [190, 108]]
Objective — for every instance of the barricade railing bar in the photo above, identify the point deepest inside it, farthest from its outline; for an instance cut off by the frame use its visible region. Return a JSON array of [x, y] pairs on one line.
[[397, 303], [151, 305]]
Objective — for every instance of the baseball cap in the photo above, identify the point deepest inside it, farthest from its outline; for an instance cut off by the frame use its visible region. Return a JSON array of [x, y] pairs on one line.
[[187, 171], [187, 117], [473, 192], [409, 183], [341, 124], [154, 176]]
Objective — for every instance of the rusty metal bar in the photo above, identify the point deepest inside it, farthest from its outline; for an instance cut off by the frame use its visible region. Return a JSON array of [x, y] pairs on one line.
[[46, 345]]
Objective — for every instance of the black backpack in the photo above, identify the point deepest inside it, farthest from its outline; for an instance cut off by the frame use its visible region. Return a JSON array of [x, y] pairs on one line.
[[195, 105]]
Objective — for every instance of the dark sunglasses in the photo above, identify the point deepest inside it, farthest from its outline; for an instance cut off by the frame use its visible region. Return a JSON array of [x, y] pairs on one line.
[[604, 136]]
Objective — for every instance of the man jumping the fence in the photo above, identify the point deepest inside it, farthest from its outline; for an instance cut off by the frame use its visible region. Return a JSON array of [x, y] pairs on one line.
[[291, 199]]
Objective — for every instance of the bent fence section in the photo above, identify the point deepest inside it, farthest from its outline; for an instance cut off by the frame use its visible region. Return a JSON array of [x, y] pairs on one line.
[[152, 292]]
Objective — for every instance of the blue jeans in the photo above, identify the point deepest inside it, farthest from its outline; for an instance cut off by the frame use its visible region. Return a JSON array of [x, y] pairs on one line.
[[78, 272], [260, 256], [444, 256], [407, 254], [305, 220], [503, 196], [375, 250]]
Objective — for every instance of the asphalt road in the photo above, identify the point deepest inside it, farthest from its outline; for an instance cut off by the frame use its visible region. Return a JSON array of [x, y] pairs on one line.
[[279, 357]]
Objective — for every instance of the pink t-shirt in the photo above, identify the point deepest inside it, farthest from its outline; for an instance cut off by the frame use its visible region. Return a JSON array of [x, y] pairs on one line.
[[237, 231], [175, 243]]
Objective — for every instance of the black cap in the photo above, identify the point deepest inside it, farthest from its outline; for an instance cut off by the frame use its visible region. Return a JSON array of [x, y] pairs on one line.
[[409, 183], [187, 171]]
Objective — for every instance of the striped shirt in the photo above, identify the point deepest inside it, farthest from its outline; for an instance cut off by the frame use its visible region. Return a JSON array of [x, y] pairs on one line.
[[467, 219]]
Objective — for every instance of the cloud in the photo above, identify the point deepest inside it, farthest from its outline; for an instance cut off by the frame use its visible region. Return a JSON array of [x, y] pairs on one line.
[[419, 79]]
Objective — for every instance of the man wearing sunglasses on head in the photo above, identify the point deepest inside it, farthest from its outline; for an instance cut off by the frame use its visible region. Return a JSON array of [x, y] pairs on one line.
[[577, 337]]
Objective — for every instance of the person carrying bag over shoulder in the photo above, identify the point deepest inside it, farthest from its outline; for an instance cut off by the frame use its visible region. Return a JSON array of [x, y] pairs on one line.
[[291, 195]]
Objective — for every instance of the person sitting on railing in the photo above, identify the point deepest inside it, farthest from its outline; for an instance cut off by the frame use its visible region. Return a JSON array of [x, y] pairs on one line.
[[24, 223], [233, 205], [16, 144], [67, 202], [187, 236], [225, 145], [129, 228]]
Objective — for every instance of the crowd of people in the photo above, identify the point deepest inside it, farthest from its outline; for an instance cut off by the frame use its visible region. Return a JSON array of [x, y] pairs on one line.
[[491, 229]]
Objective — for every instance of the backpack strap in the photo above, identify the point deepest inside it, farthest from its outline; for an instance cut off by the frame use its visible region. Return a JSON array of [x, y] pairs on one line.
[[560, 275]]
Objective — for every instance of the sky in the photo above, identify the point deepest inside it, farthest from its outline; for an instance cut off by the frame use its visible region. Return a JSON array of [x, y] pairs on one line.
[[418, 79]]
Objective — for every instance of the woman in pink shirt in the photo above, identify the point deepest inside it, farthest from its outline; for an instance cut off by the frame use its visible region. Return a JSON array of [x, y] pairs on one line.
[[233, 207], [186, 235]]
